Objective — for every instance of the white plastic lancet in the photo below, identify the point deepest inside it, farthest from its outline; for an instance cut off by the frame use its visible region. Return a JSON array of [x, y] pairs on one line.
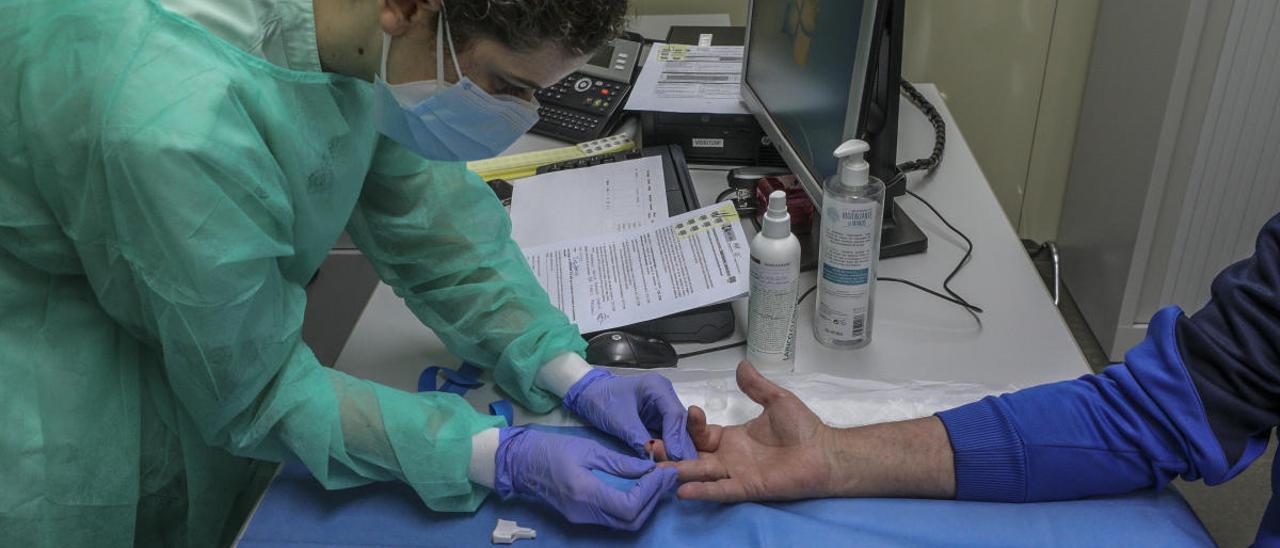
[[508, 532]]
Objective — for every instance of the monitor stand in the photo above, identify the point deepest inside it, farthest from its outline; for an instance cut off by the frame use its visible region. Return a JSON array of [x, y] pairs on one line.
[[900, 235]]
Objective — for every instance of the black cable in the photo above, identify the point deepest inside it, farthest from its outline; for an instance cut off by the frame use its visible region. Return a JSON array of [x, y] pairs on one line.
[[939, 130], [806, 294], [929, 164], [968, 252], [931, 292], [901, 177], [946, 284], [713, 349]]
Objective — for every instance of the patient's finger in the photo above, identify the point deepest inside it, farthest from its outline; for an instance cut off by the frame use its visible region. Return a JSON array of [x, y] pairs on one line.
[[706, 437], [708, 467], [725, 490], [756, 387], [658, 449]]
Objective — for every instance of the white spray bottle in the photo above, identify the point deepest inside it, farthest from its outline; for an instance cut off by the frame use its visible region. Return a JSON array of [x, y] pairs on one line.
[[852, 210], [775, 281]]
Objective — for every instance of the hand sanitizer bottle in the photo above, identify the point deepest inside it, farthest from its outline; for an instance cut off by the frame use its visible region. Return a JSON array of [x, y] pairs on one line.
[[775, 284], [852, 209]]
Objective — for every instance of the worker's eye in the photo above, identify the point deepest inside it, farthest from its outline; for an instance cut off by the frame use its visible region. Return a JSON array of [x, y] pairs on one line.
[[515, 90], [504, 86]]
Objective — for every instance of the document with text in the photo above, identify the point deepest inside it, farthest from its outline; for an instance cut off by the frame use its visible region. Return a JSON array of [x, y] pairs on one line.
[[564, 205], [611, 280], [697, 79]]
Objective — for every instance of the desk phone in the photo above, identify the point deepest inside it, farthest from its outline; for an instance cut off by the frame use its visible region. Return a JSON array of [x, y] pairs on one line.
[[587, 104]]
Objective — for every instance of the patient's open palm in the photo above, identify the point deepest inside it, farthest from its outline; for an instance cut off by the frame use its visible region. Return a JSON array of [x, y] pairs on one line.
[[779, 455]]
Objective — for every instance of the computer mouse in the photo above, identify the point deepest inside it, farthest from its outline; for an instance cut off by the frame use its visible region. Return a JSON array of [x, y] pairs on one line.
[[622, 349]]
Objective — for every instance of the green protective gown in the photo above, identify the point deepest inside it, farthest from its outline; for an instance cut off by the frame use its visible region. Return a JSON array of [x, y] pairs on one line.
[[164, 197]]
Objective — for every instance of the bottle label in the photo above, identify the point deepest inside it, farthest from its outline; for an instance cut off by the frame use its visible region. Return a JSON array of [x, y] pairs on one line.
[[848, 255], [771, 309]]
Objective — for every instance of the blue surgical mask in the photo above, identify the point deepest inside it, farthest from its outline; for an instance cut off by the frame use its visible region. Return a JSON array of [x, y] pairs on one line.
[[450, 122]]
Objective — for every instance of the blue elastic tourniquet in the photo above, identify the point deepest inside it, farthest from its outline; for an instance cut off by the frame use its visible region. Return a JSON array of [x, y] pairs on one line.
[[298, 511], [503, 408], [466, 377], [457, 382]]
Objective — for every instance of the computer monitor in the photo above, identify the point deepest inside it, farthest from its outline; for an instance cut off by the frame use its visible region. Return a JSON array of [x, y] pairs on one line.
[[819, 72]]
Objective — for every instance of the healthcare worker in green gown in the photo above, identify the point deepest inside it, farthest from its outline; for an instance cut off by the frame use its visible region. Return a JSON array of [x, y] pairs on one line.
[[172, 172]]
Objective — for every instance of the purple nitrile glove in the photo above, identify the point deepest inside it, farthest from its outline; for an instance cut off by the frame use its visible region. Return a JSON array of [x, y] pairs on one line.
[[633, 408], [557, 469]]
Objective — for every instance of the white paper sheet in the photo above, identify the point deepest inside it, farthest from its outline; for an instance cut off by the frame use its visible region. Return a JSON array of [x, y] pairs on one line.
[[611, 280], [840, 402], [682, 78], [608, 198]]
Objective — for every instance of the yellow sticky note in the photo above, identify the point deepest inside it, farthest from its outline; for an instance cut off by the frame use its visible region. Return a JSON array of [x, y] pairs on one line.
[[673, 52]]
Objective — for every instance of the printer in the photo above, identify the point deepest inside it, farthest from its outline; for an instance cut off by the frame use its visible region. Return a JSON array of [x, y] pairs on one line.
[[731, 139]]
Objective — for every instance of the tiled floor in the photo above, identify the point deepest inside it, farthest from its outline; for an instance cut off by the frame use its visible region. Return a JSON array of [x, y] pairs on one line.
[[1230, 511]]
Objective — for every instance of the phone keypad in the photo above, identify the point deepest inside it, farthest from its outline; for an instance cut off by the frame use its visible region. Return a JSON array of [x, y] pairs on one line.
[[578, 107]]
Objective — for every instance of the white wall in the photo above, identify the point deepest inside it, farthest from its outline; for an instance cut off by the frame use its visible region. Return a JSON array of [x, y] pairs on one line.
[[1012, 73], [737, 9]]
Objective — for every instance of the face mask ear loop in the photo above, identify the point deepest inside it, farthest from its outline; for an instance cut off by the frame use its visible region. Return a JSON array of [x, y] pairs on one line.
[[386, 50], [452, 51]]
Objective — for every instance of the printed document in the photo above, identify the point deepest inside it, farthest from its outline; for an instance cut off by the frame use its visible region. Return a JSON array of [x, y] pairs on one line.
[[564, 205], [683, 78], [680, 263]]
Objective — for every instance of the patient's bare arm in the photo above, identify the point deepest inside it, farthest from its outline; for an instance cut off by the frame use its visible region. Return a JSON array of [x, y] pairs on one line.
[[788, 453]]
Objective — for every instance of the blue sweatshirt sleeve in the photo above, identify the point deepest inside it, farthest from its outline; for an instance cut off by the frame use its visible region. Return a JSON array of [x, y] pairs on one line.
[[1196, 399]]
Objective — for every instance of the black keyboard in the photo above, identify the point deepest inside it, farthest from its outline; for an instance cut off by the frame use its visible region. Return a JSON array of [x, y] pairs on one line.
[[591, 161]]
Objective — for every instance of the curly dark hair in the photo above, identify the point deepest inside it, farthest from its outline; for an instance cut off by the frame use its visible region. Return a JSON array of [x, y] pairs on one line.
[[578, 26]]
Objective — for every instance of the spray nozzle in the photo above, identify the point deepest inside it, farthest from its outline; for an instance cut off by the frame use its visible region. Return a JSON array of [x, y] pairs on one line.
[[777, 204], [777, 222], [854, 169]]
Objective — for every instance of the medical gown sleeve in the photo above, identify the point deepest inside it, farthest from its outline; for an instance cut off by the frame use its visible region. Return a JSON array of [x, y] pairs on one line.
[[438, 235], [185, 242], [1196, 399]]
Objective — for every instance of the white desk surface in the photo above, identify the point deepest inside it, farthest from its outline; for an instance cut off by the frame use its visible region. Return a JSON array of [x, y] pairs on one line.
[[1022, 341]]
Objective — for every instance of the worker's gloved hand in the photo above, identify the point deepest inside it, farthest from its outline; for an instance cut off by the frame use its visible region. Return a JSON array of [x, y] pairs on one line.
[[557, 469], [635, 409]]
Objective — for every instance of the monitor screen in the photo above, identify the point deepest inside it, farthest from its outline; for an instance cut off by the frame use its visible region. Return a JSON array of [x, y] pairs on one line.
[[801, 67]]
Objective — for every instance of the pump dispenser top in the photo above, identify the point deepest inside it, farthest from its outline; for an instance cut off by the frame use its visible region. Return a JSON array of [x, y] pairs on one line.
[[777, 222], [854, 170]]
